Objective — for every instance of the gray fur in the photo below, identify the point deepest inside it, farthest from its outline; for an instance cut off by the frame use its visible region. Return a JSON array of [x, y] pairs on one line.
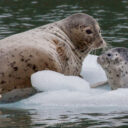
[[115, 64], [123, 52]]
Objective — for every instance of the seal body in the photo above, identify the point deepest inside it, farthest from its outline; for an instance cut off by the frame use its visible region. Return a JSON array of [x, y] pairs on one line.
[[115, 65], [59, 46]]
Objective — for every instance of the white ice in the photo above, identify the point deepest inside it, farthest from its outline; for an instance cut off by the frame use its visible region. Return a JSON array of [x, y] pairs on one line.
[[91, 71], [52, 81], [59, 90]]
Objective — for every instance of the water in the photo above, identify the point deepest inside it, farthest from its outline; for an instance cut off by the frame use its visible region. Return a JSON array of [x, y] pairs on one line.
[[31, 119], [18, 16]]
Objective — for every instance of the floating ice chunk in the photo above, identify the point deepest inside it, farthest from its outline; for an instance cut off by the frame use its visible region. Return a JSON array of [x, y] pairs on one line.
[[92, 97], [50, 81], [61, 90], [92, 71]]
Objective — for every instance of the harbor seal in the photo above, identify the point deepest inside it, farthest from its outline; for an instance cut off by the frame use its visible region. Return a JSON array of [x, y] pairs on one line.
[[115, 64], [60, 46]]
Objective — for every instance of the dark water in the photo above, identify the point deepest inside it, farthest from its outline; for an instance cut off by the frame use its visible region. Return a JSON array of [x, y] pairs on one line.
[[21, 15], [18, 16], [61, 117]]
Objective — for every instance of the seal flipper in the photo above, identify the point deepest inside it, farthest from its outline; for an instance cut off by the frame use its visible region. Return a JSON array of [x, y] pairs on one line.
[[99, 84], [80, 76], [16, 95]]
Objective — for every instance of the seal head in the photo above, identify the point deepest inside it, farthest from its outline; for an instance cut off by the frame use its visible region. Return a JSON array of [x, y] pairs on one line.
[[84, 31], [115, 64]]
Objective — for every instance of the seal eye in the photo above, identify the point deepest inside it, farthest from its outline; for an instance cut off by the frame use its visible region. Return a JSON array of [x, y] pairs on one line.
[[109, 54], [88, 31]]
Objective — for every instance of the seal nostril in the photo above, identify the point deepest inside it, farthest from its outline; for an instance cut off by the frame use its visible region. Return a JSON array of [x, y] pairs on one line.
[[101, 41]]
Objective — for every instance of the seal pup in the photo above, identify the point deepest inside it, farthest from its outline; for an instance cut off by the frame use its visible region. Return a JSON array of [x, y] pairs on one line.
[[115, 64], [60, 46]]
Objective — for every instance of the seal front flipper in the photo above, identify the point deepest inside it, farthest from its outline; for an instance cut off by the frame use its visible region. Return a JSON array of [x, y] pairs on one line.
[[16, 95], [99, 84], [80, 76]]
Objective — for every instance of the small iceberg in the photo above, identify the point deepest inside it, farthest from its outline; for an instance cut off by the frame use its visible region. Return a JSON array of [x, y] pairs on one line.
[[54, 81], [59, 90]]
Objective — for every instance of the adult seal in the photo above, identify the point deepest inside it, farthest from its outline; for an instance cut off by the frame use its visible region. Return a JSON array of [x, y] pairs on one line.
[[115, 64], [60, 46]]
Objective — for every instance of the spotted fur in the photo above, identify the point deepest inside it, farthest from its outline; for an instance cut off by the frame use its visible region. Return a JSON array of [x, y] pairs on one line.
[[115, 64], [59, 46]]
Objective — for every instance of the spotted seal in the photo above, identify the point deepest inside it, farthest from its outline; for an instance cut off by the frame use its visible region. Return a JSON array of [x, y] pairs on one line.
[[115, 64], [60, 46]]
